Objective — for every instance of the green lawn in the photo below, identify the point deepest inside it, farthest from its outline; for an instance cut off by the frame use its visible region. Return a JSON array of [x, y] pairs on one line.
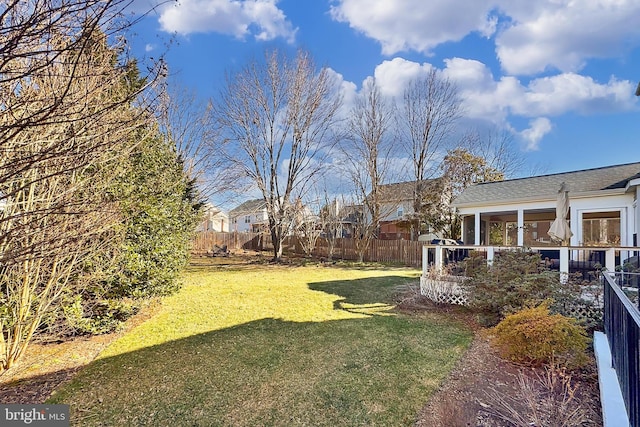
[[261, 345]]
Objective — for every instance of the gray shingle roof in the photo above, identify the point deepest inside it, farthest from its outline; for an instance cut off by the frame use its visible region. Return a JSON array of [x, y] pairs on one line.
[[248, 207], [547, 186]]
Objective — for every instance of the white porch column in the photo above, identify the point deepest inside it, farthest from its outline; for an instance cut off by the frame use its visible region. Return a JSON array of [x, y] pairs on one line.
[[610, 260], [490, 255], [477, 231], [574, 224], [439, 259], [520, 227], [625, 230]]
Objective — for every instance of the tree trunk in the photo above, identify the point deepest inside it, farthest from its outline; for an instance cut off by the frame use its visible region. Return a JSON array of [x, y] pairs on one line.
[[277, 237]]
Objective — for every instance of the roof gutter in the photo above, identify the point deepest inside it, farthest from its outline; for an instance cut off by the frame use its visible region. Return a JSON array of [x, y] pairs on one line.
[[633, 182]]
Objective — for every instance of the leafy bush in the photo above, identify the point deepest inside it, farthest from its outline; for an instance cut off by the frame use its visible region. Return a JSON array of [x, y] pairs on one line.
[[534, 336], [160, 210], [517, 279]]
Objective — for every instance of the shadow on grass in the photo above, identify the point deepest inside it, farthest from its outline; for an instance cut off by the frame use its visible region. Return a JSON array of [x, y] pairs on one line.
[[367, 371], [373, 295]]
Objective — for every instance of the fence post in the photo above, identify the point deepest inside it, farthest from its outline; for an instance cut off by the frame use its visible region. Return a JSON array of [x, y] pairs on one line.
[[425, 260], [438, 259], [610, 260], [564, 264]]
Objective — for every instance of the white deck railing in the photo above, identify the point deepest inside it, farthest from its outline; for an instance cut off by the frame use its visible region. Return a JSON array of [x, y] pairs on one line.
[[565, 259]]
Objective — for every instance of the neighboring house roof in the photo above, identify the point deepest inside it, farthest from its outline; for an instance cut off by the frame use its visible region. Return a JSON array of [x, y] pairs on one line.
[[248, 207], [609, 178], [212, 211]]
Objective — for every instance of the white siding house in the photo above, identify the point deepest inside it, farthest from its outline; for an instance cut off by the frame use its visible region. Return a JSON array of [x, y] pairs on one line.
[[249, 216], [214, 219]]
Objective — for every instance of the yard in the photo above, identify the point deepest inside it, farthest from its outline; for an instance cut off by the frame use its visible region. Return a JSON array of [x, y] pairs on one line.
[[247, 343]]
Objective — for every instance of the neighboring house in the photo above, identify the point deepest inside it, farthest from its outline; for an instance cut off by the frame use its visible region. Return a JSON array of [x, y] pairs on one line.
[[340, 219], [397, 210], [303, 215], [213, 219], [603, 208], [249, 216]]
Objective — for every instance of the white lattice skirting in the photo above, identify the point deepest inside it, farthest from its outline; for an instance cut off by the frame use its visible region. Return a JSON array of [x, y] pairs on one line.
[[447, 290], [444, 290]]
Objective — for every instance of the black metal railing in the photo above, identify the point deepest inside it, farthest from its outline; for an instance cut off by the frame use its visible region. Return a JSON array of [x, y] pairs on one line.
[[622, 327]]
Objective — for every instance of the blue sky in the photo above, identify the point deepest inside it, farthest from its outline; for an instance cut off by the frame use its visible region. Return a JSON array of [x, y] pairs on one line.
[[559, 75]]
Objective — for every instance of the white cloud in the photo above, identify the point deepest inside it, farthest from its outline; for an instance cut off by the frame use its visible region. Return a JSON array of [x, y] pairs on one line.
[[530, 36], [415, 24], [564, 34], [501, 100], [394, 75], [538, 128], [149, 47], [261, 18], [487, 97]]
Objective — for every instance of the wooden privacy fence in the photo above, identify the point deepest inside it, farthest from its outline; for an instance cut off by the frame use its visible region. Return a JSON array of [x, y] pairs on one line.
[[393, 251]]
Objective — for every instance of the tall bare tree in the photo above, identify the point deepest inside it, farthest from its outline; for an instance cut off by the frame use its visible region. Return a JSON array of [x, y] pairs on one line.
[[498, 150], [432, 107], [189, 123], [367, 148], [65, 117], [277, 117]]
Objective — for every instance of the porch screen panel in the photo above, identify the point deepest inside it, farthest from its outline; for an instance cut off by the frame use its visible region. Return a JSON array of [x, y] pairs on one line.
[[601, 228]]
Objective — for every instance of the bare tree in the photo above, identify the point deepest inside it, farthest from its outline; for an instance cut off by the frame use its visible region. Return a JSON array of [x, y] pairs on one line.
[[65, 118], [432, 107], [307, 225], [277, 118], [367, 150], [189, 124], [498, 150], [331, 221], [460, 169]]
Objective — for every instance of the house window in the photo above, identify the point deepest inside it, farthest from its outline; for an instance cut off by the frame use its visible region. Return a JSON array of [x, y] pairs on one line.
[[247, 219], [536, 233], [400, 212], [601, 228]]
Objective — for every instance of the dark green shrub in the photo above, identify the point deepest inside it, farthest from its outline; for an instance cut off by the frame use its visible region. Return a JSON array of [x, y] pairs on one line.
[[160, 209], [519, 279], [515, 280], [534, 336]]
